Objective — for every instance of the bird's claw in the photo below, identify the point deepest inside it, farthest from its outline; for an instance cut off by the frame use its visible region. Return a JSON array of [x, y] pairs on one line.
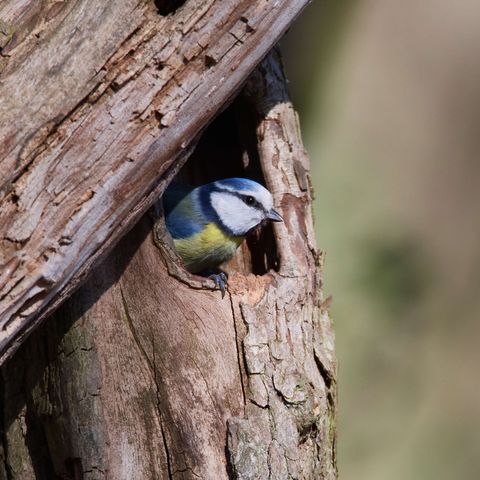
[[220, 280]]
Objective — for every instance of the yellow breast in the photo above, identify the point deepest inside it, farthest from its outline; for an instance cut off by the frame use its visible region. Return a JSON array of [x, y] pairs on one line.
[[207, 249]]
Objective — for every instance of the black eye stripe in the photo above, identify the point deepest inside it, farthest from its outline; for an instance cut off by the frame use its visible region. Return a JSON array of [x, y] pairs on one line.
[[244, 197], [251, 201]]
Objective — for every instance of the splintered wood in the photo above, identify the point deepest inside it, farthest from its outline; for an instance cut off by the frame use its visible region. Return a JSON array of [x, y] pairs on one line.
[[101, 104]]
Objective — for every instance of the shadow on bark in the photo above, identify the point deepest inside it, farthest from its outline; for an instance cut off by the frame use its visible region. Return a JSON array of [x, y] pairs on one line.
[[26, 378], [140, 376]]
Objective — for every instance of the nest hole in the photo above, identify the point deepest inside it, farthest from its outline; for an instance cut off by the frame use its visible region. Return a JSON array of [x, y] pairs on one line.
[[228, 148], [167, 7]]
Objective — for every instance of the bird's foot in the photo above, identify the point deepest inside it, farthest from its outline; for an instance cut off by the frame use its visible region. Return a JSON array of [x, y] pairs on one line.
[[220, 280]]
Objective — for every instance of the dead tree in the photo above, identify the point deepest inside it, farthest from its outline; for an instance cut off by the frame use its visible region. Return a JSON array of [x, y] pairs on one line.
[[145, 373]]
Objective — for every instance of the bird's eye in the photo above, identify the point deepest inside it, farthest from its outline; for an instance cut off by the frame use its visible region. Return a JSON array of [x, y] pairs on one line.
[[249, 200]]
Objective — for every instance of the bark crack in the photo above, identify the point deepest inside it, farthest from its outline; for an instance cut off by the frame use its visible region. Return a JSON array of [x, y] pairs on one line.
[[134, 334], [214, 403], [165, 446], [327, 376], [153, 370], [238, 343], [187, 469]]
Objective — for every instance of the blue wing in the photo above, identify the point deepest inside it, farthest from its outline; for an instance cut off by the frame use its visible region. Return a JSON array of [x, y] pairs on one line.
[[183, 217]]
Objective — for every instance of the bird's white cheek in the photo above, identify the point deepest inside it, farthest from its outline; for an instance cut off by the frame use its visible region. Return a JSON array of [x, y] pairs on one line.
[[253, 221], [234, 213], [239, 220]]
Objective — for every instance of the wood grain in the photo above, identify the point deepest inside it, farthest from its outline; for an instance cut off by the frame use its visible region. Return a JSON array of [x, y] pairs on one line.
[[101, 102], [288, 428], [143, 374]]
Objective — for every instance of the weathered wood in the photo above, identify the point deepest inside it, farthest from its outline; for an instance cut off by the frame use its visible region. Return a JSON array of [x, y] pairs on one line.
[[288, 430], [100, 102], [134, 378], [141, 376]]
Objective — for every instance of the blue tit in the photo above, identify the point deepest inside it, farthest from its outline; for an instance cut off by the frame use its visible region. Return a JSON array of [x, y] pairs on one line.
[[208, 223]]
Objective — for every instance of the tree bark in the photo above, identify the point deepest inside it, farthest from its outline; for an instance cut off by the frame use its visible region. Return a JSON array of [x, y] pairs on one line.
[[145, 374], [101, 102]]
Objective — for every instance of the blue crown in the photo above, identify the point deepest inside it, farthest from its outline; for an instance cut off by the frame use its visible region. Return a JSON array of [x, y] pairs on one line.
[[238, 183]]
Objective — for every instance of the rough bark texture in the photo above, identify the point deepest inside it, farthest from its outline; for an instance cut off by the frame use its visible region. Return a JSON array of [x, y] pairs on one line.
[[100, 102], [144, 374], [287, 342]]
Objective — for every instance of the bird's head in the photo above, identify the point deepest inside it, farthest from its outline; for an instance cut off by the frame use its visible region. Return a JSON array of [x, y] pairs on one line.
[[240, 204]]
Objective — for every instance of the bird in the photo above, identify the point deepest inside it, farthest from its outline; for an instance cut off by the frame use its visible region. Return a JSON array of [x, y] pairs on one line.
[[208, 223]]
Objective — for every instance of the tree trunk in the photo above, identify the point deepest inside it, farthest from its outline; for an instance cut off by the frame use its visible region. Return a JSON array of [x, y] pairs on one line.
[[146, 374], [101, 102]]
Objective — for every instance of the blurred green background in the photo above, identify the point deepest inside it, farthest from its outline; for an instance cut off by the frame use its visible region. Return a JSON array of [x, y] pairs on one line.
[[389, 98]]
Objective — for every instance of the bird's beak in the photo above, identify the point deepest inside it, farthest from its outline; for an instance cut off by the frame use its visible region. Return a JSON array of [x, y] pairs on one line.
[[274, 216]]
